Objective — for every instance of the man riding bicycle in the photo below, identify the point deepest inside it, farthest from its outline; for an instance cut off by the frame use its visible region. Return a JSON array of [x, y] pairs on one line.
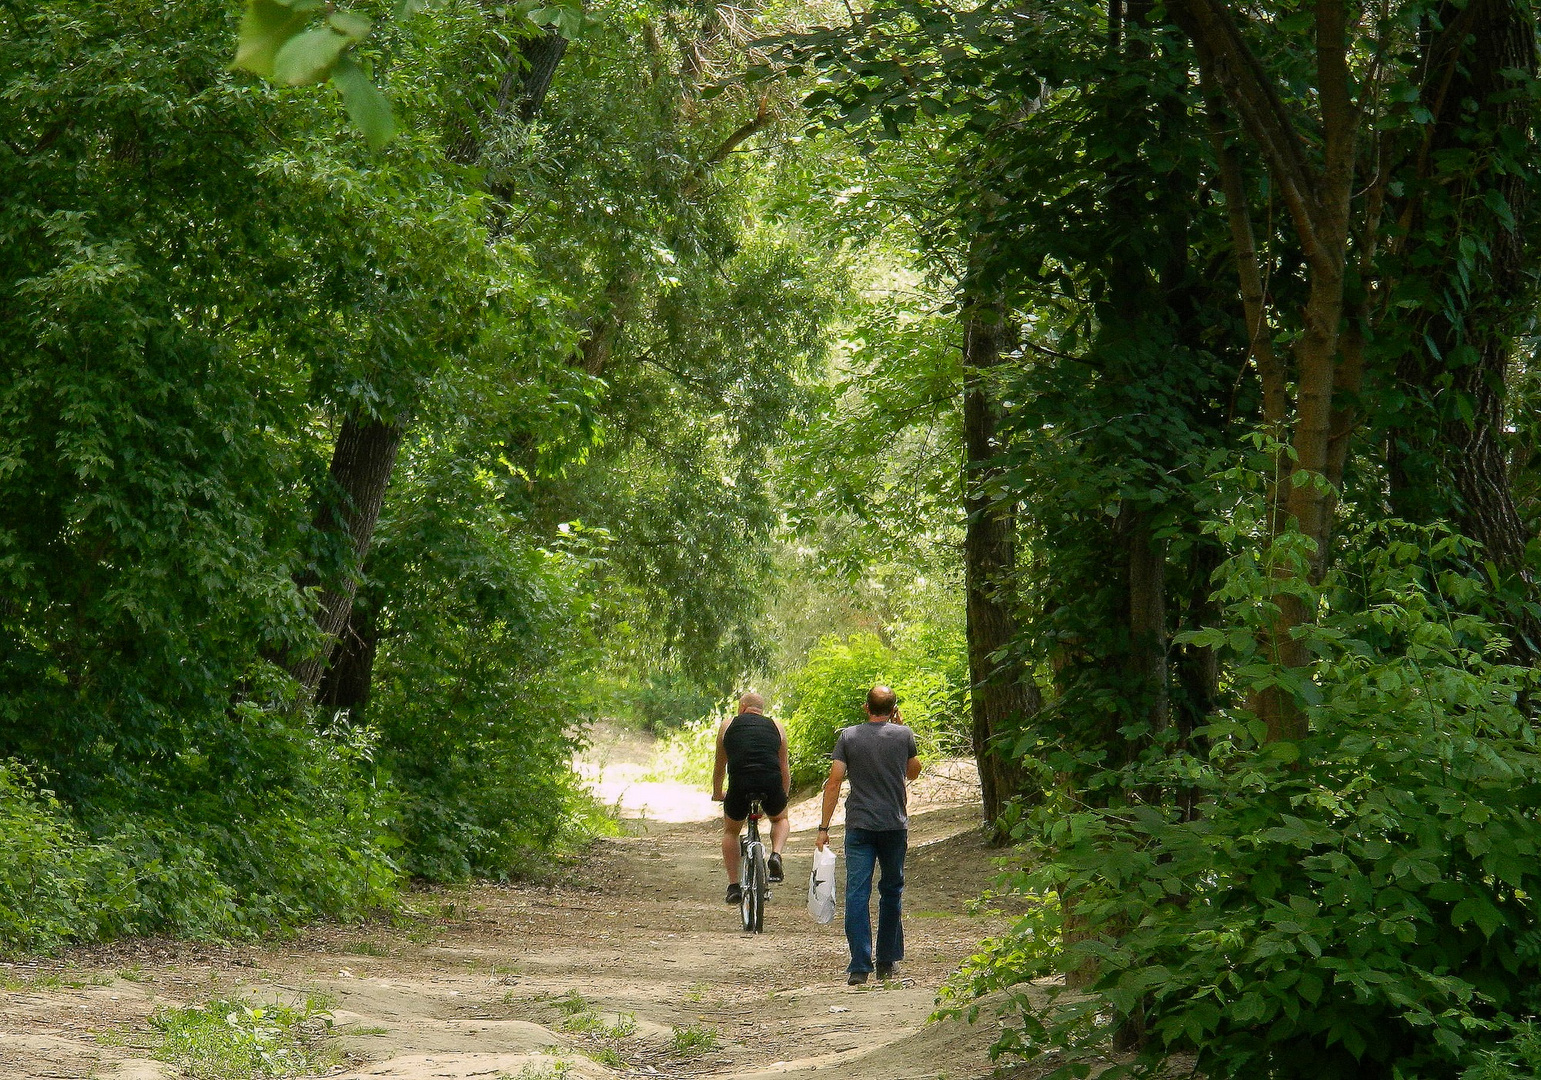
[[752, 753]]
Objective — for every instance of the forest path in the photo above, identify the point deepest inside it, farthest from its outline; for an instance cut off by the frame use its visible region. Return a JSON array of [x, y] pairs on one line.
[[606, 974]]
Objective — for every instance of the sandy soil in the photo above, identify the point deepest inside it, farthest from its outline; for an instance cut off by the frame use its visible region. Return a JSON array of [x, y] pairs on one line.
[[472, 985]]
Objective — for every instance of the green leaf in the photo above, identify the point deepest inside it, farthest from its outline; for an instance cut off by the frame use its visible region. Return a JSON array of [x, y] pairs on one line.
[[308, 57], [352, 26], [266, 26], [1309, 987], [369, 109]]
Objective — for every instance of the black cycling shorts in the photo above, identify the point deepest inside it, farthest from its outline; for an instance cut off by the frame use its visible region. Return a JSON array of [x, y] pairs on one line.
[[772, 799]]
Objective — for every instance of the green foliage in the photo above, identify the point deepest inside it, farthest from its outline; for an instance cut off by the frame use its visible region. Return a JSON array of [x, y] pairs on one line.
[[927, 669], [689, 754], [279, 41], [315, 843], [1361, 903], [53, 881], [236, 1040], [479, 686], [695, 1039]]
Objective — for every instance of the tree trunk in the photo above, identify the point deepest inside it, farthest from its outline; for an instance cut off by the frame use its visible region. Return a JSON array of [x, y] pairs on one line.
[[345, 684], [539, 59], [361, 468], [1146, 662], [522, 91], [1450, 461], [1317, 198], [1003, 693]]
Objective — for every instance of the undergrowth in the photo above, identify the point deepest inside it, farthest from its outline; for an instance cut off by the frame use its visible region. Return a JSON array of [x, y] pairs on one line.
[[238, 1040]]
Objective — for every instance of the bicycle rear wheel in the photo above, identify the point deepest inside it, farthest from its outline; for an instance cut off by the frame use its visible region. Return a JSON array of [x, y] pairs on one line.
[[752, 902], [761, 888]]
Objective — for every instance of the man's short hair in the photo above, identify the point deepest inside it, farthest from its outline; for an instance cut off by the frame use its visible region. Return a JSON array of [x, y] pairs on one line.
[[881, 701], [750, 702]]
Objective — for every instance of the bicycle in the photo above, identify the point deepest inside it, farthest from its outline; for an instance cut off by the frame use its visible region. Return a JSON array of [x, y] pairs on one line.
[[753, 874]]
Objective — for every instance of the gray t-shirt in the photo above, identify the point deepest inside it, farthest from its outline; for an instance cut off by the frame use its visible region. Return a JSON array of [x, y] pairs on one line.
[[875, 756]]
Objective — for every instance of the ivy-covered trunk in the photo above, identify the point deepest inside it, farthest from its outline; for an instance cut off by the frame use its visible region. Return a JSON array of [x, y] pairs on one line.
[[1003, 693], [362, 461], [1447, 455]]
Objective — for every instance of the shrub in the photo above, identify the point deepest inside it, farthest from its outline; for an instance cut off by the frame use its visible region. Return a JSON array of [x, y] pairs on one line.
[[479, 682], [173, 853], [830, 691], [1358, 904], [688, 755], [52, 878]]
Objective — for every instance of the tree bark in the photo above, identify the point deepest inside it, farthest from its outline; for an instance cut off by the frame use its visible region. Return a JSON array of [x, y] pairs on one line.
[[346, 682], [1003, 693], [362, 461], [1472, 91], [1146, 662], [1318, 200], [539, 58], [527, 76]]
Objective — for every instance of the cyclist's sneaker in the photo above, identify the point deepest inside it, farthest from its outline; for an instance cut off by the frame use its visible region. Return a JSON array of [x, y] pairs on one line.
[[856, 978], [773, 864], [735, 894], [885, 972]]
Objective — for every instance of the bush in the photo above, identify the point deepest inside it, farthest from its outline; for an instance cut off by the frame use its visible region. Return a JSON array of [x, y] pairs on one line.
[[171, 854], [687, 756], [479, 686], [830, 692], [53, 880], [1358, 904]]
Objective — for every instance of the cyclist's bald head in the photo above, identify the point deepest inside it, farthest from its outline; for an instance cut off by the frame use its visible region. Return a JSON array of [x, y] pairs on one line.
[[751, 702]]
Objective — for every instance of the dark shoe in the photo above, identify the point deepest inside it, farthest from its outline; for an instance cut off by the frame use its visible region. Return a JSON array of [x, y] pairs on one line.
[[885, 972], [735, 894], [773, 864], [856, 978]]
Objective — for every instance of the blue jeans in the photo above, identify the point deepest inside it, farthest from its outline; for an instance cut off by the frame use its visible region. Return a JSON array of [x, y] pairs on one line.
[[865, 848]]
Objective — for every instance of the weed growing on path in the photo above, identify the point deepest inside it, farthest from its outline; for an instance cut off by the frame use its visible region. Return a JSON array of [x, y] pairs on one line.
[[237, 1040], [574, 1003], [584, 1023], [695, 1039], [607, 1055], [545, 1070]]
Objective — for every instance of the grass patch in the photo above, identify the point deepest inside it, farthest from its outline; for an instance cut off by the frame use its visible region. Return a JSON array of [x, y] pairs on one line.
[[695, 1039], [237, 1040], [546, 1070], [573, 1004], [365, 947], [584, 1024], [607, 1055]]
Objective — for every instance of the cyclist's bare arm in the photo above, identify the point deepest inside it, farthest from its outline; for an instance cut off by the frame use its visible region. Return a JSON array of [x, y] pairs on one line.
[[720, 767], [786, 766]]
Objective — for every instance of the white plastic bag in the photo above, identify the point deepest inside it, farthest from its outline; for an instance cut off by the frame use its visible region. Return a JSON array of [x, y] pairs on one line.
[[821, 886]]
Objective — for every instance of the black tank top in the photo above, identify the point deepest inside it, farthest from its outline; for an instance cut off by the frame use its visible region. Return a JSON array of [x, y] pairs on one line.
[[753, 744]]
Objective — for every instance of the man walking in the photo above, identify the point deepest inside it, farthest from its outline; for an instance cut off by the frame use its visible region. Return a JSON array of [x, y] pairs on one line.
[[879, 758], [752, 753]]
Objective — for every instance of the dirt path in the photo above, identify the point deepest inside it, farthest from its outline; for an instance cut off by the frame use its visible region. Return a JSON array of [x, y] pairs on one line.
[[610, 974]]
